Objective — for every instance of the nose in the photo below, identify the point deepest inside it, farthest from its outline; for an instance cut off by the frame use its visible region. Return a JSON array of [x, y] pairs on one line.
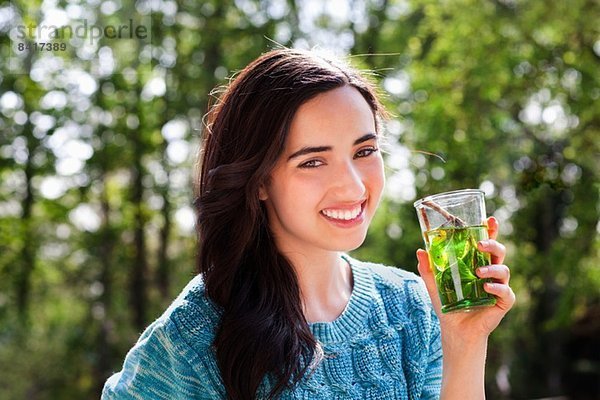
[[347, 182]]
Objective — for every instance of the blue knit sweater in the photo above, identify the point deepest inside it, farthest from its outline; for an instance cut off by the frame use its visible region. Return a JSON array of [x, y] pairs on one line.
[[385, 345]]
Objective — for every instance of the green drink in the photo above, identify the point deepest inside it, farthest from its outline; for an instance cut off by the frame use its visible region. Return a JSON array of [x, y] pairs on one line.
[[454, 257], [452, 223]]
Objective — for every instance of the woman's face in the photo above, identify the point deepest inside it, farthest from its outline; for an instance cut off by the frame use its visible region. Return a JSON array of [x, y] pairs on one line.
[[326, 185]]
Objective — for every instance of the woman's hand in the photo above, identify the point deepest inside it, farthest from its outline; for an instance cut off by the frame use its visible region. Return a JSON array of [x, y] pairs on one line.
[[465, 334], [478, 324]]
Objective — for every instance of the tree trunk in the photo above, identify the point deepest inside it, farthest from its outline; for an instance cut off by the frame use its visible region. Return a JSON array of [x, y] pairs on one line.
[[554, 341], [138, 279], [27, 256], [26, 263], [103, 345], [162, 275]]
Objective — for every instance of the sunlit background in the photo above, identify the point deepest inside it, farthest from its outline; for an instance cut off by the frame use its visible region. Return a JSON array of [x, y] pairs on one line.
[[98, 140]]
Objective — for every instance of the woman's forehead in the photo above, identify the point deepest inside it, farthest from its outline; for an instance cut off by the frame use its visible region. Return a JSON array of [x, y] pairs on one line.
[[335, 114]]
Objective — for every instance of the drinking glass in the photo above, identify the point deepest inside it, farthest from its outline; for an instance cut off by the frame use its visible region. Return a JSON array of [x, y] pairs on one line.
[[452, 223]]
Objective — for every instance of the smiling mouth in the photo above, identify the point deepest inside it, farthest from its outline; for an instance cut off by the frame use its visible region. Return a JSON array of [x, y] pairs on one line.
[[344, 214]]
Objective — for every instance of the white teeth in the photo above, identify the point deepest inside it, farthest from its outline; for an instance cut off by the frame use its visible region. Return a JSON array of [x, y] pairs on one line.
[[343, 214]]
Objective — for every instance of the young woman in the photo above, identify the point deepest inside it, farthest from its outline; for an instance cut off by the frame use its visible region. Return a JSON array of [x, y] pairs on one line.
[[289, 180]]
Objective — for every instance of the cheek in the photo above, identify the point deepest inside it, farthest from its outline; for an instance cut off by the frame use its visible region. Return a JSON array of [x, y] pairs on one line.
[[375, 177], [299, 193], [308, 190]]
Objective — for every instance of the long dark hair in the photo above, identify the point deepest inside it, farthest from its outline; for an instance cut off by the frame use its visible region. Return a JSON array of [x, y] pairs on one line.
[[263, 332]]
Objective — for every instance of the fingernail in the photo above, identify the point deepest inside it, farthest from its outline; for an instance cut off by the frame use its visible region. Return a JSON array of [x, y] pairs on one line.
[[484, 243], [490, 285], [482, 270]]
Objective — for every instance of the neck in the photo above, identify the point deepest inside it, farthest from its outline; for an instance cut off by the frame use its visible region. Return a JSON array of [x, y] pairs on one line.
[[325, 281]]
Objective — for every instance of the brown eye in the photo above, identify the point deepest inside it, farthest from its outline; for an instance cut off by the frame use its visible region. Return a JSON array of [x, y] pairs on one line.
[[366, 152], [311, 164]]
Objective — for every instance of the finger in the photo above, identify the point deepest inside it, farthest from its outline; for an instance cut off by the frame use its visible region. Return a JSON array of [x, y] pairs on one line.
[[427, 275], [496, 250], [505, 297], [492, 224], [499, 273]]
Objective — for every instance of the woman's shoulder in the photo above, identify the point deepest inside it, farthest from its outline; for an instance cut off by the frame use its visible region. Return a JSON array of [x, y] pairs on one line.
[[172, 357], [388, 275], [393, 283], [193, 314]]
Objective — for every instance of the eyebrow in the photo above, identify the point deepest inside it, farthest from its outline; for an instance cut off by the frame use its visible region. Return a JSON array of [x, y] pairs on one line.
[[320, 149]]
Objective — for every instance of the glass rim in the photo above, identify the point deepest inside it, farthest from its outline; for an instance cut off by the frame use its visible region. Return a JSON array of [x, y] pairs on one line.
[[451, 193]]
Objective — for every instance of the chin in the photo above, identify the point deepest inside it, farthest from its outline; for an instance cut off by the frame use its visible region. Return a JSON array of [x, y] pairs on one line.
[[349, 245]]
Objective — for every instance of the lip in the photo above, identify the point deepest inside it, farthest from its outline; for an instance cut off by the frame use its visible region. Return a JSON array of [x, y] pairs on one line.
[[351, 222], [346, 206]]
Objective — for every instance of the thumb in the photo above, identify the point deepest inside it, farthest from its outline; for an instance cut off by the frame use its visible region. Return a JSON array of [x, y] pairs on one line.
[[427, 275]]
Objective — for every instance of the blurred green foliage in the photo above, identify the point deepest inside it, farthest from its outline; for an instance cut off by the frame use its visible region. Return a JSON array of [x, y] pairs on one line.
[[97, 145]]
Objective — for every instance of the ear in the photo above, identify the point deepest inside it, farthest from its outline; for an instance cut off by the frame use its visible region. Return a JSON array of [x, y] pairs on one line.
[[262, 192]]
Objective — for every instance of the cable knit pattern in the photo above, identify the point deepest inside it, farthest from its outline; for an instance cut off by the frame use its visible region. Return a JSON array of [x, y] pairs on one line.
[[385, 345]]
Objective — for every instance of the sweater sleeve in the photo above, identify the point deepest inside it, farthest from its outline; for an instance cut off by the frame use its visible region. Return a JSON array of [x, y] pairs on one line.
[[161, 366], [433, 374]]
